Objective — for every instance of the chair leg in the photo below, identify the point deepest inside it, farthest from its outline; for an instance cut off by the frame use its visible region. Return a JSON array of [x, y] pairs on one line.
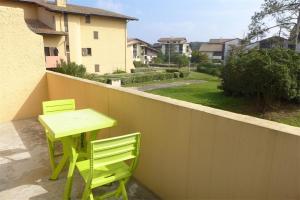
[[87, 194], [123, 188], [51, 153]]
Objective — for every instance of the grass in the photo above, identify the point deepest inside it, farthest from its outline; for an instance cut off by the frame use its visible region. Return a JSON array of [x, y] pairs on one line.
[[209, 94]]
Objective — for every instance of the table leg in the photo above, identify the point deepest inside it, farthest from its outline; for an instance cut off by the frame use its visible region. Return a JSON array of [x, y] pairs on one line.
[[58, 168], [73, 155]]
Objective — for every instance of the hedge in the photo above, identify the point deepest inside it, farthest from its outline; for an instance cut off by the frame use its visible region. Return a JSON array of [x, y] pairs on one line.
[[142, 69]]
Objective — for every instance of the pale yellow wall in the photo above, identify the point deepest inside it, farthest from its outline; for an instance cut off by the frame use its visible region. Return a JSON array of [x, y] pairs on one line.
[[75, 39], [194, 152], [30, 10], [46, 17], [23, 83], [129, 58], [56, 41], [109, 51]]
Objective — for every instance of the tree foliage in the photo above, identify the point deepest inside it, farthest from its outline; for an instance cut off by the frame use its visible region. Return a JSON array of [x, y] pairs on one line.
[[268, 74], [283, 13], [198, 57]]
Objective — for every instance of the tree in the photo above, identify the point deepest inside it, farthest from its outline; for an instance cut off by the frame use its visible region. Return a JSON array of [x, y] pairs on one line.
[[269, 75], [180, 60], [285, 15], [198, 57]]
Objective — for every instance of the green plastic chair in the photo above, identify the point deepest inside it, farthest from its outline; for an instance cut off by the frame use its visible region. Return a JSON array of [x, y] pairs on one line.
[[107, 164], [54, 107]]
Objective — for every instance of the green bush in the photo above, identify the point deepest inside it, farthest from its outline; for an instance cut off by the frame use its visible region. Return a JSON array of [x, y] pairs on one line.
[[119, 71], [176, 74], [72, 69], [172, 70], [138, 64], [184, 73], [267, 74], [142, 69], [210, 68]]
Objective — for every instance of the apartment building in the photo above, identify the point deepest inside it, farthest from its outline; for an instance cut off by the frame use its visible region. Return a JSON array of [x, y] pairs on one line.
[[142, 51], [93, 37], [173, 45], [218, 50]]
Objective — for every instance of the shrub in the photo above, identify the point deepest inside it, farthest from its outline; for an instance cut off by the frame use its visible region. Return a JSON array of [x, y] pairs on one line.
[[72, 69], [184, 73], [119, 71], [138, 64], [142, 69], [176, 74], [172, 70], [267, 74], [210, 68]]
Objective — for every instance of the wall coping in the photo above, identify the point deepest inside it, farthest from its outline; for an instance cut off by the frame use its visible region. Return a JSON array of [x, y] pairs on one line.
[[213, 111]]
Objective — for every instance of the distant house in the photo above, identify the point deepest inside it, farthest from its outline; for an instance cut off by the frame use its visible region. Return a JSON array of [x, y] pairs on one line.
[[141, 50], [218, 50], [173, 45], [271, 42]]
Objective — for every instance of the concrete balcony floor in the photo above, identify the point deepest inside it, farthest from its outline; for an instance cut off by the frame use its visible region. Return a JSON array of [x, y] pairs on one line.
[[25, 168]]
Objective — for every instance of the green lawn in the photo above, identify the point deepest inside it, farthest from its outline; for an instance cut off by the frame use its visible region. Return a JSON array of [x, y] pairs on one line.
[[209, 94]]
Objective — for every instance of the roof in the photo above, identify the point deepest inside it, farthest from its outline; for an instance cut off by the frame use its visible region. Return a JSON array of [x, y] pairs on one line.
[[211, 47], [76, 9], [40, 28], [220, 40], [173, 39], [132, 41]]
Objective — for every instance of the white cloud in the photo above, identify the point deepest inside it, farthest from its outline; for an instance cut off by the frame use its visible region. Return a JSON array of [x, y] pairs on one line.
[[111, 5]]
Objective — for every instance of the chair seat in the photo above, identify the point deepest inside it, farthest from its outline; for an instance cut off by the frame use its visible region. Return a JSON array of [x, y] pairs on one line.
[[105, 174]]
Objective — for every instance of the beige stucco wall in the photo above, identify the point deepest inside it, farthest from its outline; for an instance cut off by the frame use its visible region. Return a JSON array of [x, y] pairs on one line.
[[194, 152], [22, 69], [109, 51], [30, 10]]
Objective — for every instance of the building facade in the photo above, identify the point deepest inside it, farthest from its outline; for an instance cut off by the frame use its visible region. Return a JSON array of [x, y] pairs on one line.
[[174, 46], [93, 37], [141, 51], [218, 50]]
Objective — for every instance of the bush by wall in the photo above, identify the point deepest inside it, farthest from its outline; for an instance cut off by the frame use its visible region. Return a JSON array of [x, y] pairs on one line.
[[72, 69], [268, 75]]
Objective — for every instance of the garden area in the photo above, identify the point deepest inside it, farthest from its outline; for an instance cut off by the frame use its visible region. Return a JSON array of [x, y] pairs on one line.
[[260, 83]]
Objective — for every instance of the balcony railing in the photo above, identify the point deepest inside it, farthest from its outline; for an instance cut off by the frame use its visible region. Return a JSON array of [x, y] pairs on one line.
[[188, 151], [52, 61]]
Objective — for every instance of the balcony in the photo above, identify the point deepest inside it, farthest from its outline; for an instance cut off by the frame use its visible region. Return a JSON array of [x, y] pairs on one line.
[[25, 169], [52, 61], [188, 151]]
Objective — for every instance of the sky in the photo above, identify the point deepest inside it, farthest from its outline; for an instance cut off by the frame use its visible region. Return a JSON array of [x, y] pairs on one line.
[[197, 20]]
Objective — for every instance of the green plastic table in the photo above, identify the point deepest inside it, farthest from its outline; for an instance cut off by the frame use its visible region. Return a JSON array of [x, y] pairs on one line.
[[68, 127]]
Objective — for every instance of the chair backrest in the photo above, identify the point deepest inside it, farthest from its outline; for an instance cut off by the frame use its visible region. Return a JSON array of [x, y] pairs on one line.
[[58, 106], [114, 150]]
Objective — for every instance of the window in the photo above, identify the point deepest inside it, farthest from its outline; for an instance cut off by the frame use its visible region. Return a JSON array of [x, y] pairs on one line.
[[217, 53], [51, 51], [97, 68], [88, 19], [96, 35], [86, 51]]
